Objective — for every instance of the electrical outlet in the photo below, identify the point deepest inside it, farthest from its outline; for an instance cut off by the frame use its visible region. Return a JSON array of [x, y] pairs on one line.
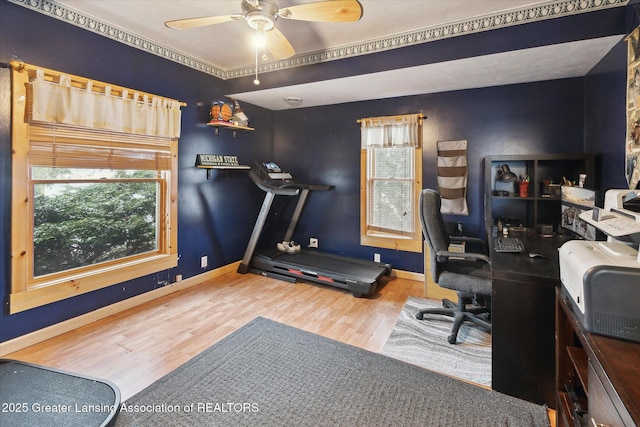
[[204, 261], [376, 257], [313, 242]]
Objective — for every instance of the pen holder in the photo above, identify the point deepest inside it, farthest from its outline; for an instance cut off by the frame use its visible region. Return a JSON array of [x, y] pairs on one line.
[[524, 188]]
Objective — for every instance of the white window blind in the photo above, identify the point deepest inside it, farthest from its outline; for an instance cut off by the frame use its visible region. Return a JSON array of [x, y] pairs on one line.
[[390, 201]]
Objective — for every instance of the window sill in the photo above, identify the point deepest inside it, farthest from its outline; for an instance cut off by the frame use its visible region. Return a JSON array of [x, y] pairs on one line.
[[46, 292], [398, 243]]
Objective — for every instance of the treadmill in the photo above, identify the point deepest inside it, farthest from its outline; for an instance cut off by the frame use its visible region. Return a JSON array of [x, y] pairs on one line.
[[360, 277]]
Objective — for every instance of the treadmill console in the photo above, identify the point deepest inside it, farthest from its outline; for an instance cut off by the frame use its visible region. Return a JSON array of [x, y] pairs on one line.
[[270, 177], [273, 171]]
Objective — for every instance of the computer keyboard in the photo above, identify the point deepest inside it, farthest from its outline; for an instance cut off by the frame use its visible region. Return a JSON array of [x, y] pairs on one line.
[[508, 244]]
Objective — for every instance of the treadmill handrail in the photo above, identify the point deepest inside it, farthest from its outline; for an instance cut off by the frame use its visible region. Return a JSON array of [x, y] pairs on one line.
[[284, 187], [291, 189]]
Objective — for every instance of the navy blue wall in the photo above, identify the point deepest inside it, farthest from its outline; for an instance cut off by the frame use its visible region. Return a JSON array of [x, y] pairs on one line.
[[215, 217], [605, 118], [323, 145], [317, 144]]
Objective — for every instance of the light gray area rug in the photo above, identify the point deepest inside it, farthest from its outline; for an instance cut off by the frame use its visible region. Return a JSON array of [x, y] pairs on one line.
[[424, 343], [270, 374]]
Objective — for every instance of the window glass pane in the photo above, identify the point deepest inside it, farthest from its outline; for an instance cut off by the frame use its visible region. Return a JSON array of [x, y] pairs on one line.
[[392, 207], [393, 163], [81, 224]]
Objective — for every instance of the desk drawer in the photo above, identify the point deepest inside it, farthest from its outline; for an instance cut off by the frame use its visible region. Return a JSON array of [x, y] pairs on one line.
[[602, 411]]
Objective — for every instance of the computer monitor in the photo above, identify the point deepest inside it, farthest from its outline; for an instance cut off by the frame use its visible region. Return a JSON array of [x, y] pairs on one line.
[[574, 201]]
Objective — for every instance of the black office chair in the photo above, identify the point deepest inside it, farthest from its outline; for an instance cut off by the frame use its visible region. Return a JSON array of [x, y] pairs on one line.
[[468, 273]]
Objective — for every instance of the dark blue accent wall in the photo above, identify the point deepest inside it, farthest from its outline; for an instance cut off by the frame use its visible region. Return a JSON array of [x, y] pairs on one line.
[[317, 144], [323, 145], [215, 217], [605, 117]]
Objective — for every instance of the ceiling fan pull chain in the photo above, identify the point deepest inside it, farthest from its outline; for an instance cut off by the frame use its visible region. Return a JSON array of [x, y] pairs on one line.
[[256, 81]]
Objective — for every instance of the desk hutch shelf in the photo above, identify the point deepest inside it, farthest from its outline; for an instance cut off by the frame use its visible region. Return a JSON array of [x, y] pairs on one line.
[[542, 204]]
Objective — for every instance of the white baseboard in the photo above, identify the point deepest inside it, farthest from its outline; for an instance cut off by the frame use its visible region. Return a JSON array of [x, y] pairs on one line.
[[409, 275], [43, 334]]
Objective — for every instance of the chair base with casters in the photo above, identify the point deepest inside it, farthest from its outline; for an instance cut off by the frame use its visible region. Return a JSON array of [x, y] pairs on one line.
[[461, 312]]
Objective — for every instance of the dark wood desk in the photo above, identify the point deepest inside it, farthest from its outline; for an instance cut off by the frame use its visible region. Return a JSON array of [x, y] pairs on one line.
[[606, 369], [523, 318]]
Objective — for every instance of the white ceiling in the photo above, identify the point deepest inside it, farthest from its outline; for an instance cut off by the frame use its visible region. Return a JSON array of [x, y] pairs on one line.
[[224, 49], [558, 61]]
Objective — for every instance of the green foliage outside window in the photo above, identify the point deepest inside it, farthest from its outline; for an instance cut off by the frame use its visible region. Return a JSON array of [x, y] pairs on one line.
[[78, 224]]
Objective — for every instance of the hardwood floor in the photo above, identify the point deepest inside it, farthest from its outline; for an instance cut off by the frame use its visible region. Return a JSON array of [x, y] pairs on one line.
[[136, 347]]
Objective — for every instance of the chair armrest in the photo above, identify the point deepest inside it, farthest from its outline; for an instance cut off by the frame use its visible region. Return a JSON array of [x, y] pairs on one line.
[[467, 239], [480, 244], [464, 256]]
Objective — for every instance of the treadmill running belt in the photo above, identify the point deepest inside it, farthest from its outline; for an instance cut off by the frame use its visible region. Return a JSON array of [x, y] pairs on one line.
[[354, 274]]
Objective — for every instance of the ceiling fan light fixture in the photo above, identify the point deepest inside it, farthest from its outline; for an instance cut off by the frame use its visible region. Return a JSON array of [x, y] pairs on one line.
[[259, 39], [260, 14], [260, 21]]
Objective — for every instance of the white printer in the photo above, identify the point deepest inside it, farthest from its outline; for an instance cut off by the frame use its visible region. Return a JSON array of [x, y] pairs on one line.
[[603, 278], [603, 281]]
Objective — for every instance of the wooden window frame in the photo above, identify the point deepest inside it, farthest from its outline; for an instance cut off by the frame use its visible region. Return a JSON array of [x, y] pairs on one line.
[[410, 243], [28, 292]]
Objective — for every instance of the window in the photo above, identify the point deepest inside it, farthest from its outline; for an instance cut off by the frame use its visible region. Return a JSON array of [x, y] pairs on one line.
[[93, 186], [391, 173]]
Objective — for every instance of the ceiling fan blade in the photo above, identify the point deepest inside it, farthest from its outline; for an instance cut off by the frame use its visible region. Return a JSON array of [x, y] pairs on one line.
[[181, 24], [325, 11], [278, 44]]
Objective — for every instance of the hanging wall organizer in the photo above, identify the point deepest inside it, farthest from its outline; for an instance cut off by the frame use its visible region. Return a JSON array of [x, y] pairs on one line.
[[452, 176]]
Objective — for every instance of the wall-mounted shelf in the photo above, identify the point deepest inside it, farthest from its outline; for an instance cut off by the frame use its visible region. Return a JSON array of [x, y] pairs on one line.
[[237, 167], [229, 126]]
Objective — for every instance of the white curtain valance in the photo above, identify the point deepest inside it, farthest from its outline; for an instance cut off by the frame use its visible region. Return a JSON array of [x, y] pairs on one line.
[[65, 104], [396, 131]]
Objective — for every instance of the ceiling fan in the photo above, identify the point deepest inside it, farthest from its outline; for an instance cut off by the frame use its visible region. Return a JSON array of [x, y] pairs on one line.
[[261, 16]]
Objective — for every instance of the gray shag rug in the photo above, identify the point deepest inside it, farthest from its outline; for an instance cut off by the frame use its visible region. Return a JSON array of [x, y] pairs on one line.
[[270, 374], [424, 343]]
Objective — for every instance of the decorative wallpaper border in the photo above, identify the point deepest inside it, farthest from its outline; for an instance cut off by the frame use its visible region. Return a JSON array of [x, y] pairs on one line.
[[552, 9]]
